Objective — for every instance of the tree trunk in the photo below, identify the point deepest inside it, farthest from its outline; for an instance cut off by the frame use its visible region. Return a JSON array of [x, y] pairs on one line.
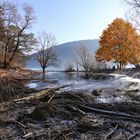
[[77, 68], [137, 66], [121, 65], [43, 72], [6, 64]]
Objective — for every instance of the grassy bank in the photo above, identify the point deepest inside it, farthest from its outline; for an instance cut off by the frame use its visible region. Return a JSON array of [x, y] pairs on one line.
[[12, 83]]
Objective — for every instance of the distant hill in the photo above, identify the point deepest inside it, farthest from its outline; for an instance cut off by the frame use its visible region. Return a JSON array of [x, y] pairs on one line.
[[65, 53]]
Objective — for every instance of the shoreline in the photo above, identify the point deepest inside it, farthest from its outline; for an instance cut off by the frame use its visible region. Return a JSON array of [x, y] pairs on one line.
[[12, 83], [54, 113]]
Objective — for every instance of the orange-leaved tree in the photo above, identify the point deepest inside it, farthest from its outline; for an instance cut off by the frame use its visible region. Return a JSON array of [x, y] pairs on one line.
[[119, 43]]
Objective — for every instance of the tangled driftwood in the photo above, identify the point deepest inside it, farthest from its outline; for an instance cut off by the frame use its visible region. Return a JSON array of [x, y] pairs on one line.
[[61, 116]]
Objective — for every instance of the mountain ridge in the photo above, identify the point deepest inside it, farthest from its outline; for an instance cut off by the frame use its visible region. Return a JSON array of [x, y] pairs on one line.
[[65, 53]]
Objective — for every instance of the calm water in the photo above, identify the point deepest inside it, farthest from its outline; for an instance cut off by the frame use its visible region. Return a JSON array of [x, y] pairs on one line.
[[54, 79], [63, 78], [76, 82]]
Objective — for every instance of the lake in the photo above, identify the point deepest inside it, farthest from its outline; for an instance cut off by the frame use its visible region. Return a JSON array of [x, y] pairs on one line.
[[74, 82], [73, 79]]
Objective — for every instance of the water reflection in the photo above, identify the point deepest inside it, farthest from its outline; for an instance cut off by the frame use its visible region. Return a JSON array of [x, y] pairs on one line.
[[68, 76], [60, 78], [63, 76]]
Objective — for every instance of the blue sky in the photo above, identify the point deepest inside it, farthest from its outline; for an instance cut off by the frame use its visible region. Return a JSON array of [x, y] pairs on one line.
[[71, 20]]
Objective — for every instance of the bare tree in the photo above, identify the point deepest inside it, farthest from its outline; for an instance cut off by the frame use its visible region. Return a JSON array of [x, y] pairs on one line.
[[85, 58], [75, 60], [15, 25], [46, 55], [101, 65], [133, 13]]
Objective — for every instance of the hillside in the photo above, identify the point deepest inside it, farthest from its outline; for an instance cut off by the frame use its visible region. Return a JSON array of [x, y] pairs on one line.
[[65, 53]]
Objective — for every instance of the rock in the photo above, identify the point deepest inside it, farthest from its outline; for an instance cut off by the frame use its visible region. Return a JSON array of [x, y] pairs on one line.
[[96, 92]]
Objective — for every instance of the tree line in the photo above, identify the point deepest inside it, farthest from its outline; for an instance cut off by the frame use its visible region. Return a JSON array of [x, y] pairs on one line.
[[14, 37], [119, 42], [16, 40]]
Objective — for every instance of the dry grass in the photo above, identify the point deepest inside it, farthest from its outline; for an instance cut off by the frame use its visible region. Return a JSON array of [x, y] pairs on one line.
[[12, 83]]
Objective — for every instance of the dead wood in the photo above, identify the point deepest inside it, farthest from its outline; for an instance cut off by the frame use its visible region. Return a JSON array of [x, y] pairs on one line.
[[110, 113], [132, 136], [51, 98], [110, 133], [40, 94], [14, 123], [34, 134], [67, 116], [61, 134]]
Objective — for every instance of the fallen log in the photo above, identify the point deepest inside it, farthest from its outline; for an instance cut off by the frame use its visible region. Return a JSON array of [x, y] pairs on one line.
[[120, 115], [40, 94]]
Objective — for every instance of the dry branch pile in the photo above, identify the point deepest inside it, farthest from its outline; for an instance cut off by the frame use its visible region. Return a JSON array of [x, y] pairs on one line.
[[66, 116]]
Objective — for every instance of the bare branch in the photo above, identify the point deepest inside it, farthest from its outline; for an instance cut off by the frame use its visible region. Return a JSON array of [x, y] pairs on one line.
[[16, 23], [133, 13], [46, 55], [84, 58]]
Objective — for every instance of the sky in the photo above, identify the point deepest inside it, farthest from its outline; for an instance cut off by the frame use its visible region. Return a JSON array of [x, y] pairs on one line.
[[71, 20]]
